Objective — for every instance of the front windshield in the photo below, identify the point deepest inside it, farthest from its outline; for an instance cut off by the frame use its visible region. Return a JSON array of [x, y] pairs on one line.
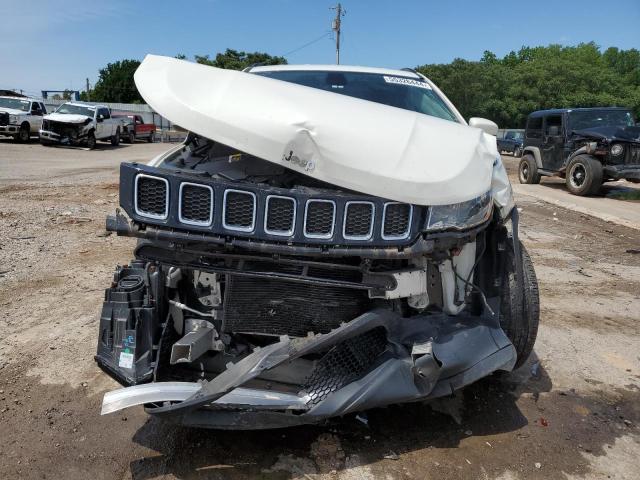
[[76, 109], [513, 135], [581, 120], [407, 93], [15, 103]]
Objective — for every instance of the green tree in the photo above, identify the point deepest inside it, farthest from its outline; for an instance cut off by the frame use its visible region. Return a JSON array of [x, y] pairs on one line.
[[237, 60], [506, 90], [115, 83]]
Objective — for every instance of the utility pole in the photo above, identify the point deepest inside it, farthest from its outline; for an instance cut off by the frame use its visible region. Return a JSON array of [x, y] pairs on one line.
[[88, 99], [336, 28]]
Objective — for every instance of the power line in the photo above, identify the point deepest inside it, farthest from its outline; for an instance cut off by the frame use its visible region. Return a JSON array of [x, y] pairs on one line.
[[324, 35]]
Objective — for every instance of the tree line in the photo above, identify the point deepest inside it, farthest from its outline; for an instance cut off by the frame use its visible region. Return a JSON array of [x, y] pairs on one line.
[[503, 89]]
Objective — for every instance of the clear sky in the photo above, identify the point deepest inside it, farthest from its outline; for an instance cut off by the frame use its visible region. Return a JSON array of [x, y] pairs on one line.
[[49, 44]]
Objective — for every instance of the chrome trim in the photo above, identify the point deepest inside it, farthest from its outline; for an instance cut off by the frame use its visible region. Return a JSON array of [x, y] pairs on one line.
[[384, 214], [333, 220], [135, 198], [180, 391], [344, 221], [195, 222], [224, 211], [287, 233]]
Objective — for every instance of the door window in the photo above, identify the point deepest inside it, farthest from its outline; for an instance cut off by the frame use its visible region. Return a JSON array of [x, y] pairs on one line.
[[534, 127], [553, 126]]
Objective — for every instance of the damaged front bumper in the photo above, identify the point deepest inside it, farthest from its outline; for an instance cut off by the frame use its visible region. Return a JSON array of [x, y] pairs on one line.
[[622, 172], [9, 130], [421, 357]]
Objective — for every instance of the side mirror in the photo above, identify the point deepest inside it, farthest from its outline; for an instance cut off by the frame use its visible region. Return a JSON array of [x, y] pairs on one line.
[[100, 118], [487, 126], [554, 131]]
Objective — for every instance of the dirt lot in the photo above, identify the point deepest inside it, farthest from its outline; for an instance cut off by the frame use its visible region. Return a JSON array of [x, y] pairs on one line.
[[572, 412]]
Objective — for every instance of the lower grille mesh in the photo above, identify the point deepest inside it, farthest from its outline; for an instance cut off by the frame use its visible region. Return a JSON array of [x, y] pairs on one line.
[[281, 307], [344, 363]]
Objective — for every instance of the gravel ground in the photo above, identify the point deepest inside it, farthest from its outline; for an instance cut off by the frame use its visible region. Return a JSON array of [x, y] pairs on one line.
[[571, 412]]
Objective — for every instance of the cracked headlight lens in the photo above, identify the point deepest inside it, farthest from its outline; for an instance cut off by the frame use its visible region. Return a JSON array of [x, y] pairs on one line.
[[460, 216]]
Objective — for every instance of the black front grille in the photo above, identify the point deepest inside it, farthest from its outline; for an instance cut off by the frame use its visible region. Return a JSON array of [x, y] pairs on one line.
[[280, 215], [358, 220], [281, 307], [397, 218], [151, 196], [634, 156], [239, 210], [266, 213], [4, 118], [345, 363], [319, 218], [196, 204]]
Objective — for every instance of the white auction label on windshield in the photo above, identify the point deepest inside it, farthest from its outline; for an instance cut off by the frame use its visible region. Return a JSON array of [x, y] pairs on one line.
[[406, 81]]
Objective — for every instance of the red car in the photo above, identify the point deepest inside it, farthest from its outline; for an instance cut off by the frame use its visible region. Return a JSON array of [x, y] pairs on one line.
[[133, 127]]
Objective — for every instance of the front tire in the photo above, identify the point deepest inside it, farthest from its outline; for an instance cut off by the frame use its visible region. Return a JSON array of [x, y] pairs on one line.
[[24, 135], [115, 139], [520, 308], [584, 175], [152, 137], [528, 170], [132, 137], [91, 140], [517, 152]]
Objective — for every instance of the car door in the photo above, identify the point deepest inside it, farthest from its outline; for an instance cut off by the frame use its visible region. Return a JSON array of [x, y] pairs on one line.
[[36, 117], [533, 135], [102, 123], [552, 142]]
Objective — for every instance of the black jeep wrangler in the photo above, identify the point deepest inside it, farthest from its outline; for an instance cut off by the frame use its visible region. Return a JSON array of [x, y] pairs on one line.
[[586, 146]]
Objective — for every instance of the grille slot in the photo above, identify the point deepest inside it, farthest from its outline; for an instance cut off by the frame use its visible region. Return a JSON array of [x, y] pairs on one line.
[[358, 220], [280, 217], [396, 221], [4, 118], [239, 210], [319, 218], [152, 196], [283, 307], [196, 204]]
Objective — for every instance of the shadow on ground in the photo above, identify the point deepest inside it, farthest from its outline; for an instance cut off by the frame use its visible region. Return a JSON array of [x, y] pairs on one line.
[[486, 408]]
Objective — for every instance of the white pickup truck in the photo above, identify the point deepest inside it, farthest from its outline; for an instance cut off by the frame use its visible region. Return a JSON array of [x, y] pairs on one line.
[[78, 123], [20, 117]]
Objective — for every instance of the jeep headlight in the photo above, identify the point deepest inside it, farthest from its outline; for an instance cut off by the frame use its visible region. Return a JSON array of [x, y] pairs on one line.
[[13, 119], [616, 149], [460, 216]]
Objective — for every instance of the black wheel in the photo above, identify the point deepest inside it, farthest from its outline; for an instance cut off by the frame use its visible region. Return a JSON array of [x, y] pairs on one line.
[[584, 175], [528, 170], [520, 308], [45, 143], [91, 140], [132, 137], [115, 139], [152, 137], [24, 135], [517, 152]]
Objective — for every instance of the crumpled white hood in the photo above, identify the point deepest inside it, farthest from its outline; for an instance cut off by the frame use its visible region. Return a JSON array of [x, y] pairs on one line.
[[67, 117], [13, 111], [352, 143]]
